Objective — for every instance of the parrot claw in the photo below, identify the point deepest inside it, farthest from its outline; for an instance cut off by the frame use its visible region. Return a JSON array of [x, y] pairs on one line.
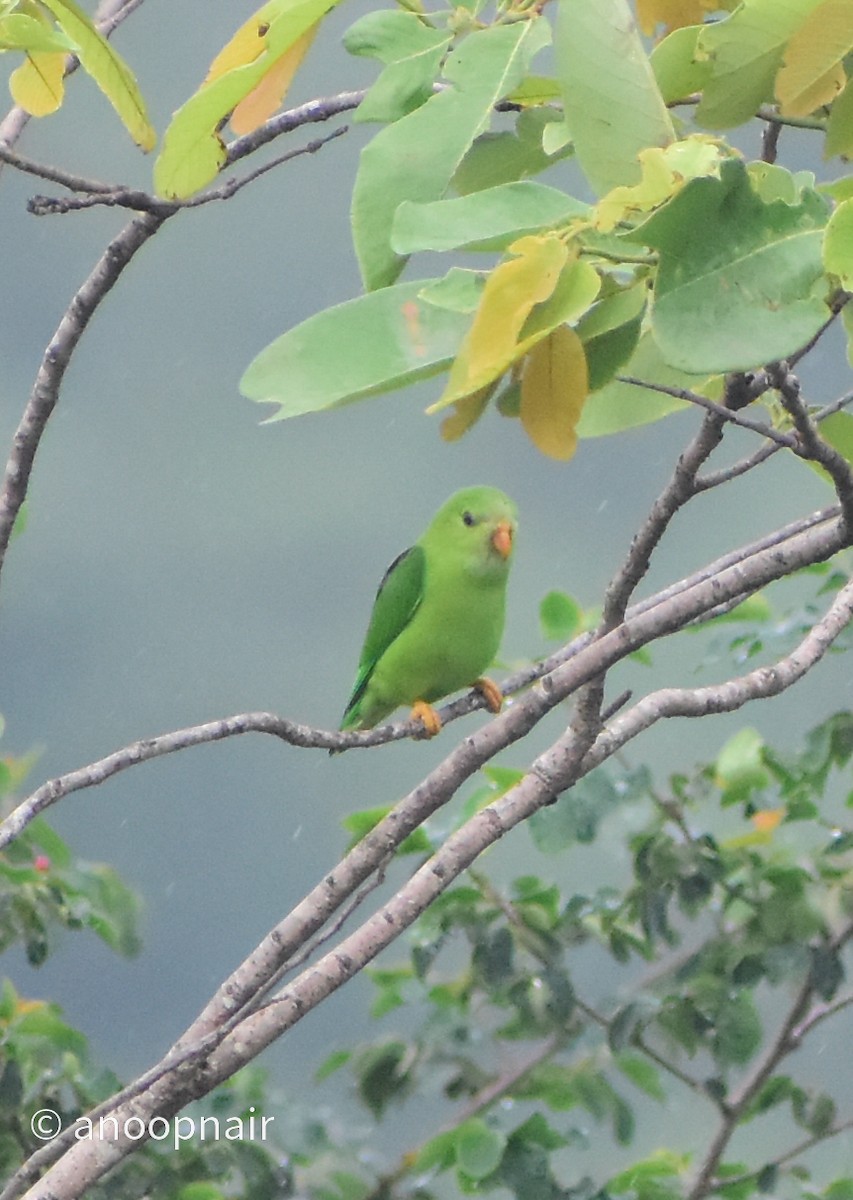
[[428, 717], [491, 693]]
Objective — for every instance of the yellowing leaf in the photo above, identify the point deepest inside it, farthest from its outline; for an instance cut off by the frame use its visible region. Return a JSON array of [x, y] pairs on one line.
[[511, 292], [665, 171], [246, 45], [812, 74], [468, 410], [108, 69], [266, 98], [554, 385], [37, 85], [671, 13], [193, 151]]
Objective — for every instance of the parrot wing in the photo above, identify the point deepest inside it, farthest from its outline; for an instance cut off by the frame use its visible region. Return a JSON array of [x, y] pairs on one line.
[[400, 593]]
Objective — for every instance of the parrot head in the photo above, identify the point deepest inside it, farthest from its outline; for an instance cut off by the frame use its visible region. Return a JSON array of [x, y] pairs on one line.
[[478, 525]]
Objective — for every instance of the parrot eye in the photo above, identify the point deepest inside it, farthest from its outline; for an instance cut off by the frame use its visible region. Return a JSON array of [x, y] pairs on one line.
[[468, 519]]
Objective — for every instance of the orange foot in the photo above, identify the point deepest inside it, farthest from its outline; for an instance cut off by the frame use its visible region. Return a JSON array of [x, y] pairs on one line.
[[428, 717], [491, 693]]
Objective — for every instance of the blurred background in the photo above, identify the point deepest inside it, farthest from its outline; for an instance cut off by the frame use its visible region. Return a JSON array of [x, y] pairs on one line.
[[184, 562]]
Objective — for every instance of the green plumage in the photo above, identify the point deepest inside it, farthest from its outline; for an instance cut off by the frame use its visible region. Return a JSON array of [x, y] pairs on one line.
[[438, 616]]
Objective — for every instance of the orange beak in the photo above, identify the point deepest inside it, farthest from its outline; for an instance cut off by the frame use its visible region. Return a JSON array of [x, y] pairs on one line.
[[502, 539]]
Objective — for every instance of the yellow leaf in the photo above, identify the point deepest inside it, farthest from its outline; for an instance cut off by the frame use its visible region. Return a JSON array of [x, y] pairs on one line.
[[822, 91], [246, 45], [554, 386], [511, 292], [266, 98], [811, 74], [467, 412], [664, 172], [37, 85], [672, 13]]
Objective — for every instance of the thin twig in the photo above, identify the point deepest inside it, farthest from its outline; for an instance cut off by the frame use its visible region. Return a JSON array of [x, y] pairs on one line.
[[121, 197], [719, 410]]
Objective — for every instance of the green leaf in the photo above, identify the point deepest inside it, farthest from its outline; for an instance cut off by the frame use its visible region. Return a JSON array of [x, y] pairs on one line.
[[20, 32], [479, 1148], [677, 69], [619, 406], [560, 616], [333, 1062], [612, 103], [193, 151], [746, 52], [416, 157], [576, 815], [359, 824], [740, 769], [107, 68], [486, 220], [737, 1033], [737, 276], [642, 1074], [496, 158], [838, 244], [411, 51], [839, 127], [361, 348]]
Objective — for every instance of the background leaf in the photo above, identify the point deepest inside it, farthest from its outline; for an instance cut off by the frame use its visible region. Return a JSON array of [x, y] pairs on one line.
[[416, 157], [612, 103]]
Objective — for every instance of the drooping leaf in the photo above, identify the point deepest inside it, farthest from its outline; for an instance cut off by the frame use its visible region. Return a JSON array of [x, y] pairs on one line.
[[554, 385], [415, 158], [193, 151], [467, 411], [369, 345], [511, 291], [108, 69], [485, 220], [736, 280], [267, 96], [612, 103], [812, 73], [746, 51], [38, 84]]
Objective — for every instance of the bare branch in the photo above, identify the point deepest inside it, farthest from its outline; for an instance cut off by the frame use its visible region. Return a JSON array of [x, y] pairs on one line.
[[122, 197], [761, 683], [725, 414], [813, 445], [677, 492]]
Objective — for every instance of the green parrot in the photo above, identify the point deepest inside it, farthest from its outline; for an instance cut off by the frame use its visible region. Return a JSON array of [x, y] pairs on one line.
[[438, 616]]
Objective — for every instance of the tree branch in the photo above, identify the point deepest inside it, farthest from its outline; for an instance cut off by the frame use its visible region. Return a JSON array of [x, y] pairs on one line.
[[45, 391]]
